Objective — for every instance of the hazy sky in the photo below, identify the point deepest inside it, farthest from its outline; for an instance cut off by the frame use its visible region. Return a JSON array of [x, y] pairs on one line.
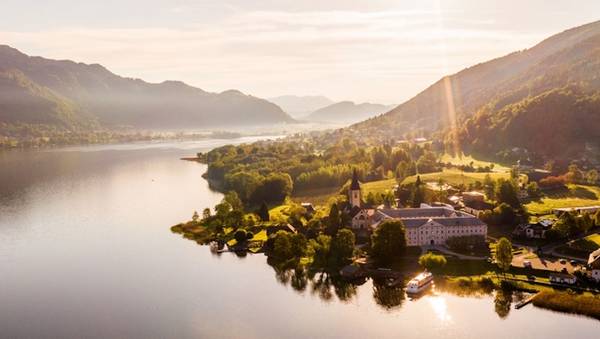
[[371, 50]]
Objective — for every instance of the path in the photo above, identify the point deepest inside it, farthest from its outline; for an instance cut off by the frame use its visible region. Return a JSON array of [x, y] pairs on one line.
[[449, 252]]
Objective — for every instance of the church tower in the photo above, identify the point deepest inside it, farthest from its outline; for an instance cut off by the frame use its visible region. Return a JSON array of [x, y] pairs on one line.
[[354, 191]]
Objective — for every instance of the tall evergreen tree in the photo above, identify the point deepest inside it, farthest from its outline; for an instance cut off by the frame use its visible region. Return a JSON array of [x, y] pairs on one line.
[[263, 212]]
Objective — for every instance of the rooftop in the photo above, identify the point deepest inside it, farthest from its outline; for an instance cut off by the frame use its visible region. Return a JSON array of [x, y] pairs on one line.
[[415, 217]]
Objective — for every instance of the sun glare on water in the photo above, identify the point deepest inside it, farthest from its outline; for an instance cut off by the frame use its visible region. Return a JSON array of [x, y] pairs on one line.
[[440, 308]]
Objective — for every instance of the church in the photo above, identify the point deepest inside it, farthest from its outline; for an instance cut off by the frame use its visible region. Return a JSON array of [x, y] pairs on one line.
[[427, 225]]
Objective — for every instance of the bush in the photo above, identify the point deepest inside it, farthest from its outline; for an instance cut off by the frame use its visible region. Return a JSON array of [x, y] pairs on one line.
[[240, 236], [432, 262]]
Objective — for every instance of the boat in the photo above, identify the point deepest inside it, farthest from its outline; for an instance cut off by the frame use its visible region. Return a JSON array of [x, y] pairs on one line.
[[419, 283]]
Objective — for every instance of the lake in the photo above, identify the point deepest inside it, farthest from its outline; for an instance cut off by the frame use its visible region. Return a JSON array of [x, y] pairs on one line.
[[86, 251]]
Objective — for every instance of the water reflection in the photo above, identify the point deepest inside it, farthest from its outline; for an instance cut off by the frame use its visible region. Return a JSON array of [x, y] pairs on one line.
[[502, 302], [389, 298], [440, 308], [329, 286]]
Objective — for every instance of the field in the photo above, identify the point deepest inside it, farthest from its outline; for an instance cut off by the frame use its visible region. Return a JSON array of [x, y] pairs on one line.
[[378, 186], [465, 160], [319, 196], [574, 196], [456, 177]]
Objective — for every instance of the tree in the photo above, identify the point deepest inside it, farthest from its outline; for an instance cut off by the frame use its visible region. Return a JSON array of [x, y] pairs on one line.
[[506, 191], [505, 215], [342, 246], [417, 196], [432, 262], [222, 209], [234, 201], [533, 190], [273, 188], [240, 236], [206, 213], [591, 177], [334, 220], [235, 218], [504, 254], [388, 241], [320, 248], [574, 174], [427, 163], [263, 212], [282, 246]]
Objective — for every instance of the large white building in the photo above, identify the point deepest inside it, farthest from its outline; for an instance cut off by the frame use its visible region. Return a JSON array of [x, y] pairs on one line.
[[424, 226], [432, 225]]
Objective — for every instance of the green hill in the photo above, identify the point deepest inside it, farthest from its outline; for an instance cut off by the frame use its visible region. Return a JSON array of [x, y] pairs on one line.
[[118, 101], [23, 101], [566, 58]]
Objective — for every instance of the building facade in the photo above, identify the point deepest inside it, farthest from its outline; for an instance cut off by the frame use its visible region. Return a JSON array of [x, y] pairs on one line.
[[432, 225], [427, 225]]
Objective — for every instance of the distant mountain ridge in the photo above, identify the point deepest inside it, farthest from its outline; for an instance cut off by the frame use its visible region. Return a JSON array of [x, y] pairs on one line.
[[347, 112], [301, 106], [66, 93]]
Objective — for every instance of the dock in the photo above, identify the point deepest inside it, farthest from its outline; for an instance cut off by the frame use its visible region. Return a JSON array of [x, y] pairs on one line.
[[522, 303]]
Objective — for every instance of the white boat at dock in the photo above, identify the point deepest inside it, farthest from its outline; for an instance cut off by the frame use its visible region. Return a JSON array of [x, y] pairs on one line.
[[419, 283]]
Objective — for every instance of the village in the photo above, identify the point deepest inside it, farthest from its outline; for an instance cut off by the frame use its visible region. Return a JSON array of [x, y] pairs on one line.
[[462, 228]]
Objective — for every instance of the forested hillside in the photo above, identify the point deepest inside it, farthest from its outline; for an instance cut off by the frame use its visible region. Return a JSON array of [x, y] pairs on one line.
[[66, 93], [557, 124], [566, 58]]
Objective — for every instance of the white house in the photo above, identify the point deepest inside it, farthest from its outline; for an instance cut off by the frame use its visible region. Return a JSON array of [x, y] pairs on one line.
[[562, 278], [594, 265]]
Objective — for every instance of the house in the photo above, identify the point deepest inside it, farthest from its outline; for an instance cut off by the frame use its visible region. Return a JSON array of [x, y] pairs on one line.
[[594, 265], [535, 175], [310, 209], [362, 218], [473, 196], [562, 278], [536, 230], [476, 207]]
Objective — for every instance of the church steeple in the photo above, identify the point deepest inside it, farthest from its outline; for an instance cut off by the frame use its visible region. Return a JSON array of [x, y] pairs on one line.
[[354, 191]]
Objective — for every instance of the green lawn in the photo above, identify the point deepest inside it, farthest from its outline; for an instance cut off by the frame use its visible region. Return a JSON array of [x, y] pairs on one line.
[[260, 236], [587, 244], [574, 196], [319, 196], [279, 212], [378, 186], [455, 177], [464, 160]]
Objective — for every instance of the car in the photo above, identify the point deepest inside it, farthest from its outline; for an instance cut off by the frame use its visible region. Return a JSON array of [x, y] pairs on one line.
[[573, 262], [563, 261], [527, 263], [531, 277]]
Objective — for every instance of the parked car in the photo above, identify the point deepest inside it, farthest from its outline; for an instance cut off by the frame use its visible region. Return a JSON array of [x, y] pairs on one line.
[[563, 261], [531, 277], [574, 262], [527, 263]]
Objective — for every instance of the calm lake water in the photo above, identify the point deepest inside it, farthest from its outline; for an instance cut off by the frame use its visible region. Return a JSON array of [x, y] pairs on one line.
[[86, 251]]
